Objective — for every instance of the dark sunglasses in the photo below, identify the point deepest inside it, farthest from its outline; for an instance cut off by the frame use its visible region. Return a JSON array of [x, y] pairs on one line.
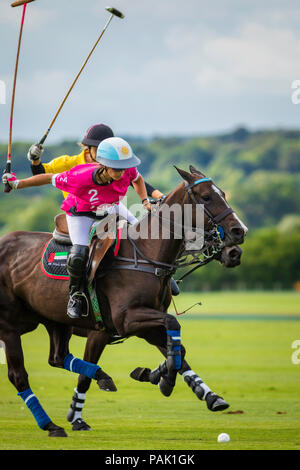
[[118, 169]]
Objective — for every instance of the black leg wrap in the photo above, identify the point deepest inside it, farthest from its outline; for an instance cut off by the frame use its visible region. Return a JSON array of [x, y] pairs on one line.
[[195, 385], [74, 407], [173, 353], [156, 374]]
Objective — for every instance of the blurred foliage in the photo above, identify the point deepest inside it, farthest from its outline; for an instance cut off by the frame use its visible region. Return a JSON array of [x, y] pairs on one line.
[[259, 172], [270, 259]]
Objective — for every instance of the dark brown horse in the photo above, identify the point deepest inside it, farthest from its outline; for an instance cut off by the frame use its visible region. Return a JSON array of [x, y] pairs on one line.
[[28, 298]]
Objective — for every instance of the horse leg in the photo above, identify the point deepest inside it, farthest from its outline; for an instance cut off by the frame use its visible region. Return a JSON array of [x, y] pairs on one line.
[[140, 322], [19, 378], [96, 342], [60, 356], [213, 401]]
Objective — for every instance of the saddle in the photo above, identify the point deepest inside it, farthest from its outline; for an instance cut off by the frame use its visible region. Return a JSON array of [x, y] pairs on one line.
[[99, 246]]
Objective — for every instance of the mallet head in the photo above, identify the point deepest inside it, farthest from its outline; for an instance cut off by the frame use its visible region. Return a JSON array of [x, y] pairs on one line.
[[114, 11], [21, 2]]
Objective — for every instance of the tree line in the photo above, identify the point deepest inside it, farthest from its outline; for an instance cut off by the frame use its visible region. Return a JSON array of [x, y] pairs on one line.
[[259, 172]]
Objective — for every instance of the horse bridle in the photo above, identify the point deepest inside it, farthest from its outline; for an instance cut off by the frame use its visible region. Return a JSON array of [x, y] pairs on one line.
[[216, 219]]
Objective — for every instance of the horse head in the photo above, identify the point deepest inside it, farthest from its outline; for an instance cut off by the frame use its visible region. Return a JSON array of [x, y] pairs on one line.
[[202, 190]]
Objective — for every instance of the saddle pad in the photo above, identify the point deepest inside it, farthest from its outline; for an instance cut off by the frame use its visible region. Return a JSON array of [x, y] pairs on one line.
[[54, 257], [54, 260]]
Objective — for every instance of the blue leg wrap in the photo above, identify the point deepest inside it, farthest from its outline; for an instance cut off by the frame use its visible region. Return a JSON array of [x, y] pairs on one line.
[[73, 364], [175, 347], [36, 409]]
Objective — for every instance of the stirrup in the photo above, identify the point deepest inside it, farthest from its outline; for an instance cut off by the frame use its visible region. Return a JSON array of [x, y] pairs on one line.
[[77, 296]]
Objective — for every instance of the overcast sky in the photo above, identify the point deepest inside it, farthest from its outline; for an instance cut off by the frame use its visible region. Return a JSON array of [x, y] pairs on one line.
[[170, 67]]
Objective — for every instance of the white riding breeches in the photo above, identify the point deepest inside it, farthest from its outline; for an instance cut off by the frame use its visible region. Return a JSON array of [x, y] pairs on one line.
[[79, 226]]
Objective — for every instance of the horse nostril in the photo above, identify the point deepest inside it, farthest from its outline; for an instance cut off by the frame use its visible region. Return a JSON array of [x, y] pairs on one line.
[[234, 254], [237, 233]]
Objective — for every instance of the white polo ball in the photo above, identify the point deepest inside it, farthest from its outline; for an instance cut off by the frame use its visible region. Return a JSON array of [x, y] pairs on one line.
[[223, 437]]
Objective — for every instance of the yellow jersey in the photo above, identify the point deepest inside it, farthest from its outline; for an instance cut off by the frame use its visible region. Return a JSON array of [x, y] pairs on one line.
[[64, 163]]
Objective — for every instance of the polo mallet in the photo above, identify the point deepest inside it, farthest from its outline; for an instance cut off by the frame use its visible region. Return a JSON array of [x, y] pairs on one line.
[[7, 188], [114, 12]]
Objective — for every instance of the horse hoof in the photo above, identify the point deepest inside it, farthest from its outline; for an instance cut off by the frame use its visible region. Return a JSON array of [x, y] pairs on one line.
[[215, 403], [141, 374], [105, 382], [55, 431], [166, 387], [80, 425]]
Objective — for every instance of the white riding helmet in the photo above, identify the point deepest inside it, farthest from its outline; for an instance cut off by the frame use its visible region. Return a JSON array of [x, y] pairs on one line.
[[115, 152]]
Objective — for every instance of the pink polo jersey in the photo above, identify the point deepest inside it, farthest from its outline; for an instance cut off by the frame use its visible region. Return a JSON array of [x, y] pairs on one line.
[[85, 194]]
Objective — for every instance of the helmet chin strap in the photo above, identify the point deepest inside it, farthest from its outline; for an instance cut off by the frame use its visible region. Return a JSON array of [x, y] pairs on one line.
[[91, 156]]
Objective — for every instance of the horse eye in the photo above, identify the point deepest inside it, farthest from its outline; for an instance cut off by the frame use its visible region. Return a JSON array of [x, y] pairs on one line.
[[205, 197]]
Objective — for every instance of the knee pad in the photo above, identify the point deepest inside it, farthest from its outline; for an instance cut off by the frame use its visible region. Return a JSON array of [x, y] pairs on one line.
[[77, 260]]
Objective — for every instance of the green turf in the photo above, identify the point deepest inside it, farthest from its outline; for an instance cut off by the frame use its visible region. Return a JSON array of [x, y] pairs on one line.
[[247, 362], [243, 302]]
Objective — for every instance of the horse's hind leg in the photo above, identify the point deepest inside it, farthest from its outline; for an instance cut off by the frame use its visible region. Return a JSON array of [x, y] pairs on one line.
[[96, 342], [19, 378], [60, 356]]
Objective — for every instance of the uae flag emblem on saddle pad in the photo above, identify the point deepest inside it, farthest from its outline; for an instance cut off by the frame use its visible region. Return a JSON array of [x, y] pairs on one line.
[[54, 260]]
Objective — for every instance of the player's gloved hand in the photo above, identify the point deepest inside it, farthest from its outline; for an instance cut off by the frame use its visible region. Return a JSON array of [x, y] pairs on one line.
[[35, 152], [10, 179]]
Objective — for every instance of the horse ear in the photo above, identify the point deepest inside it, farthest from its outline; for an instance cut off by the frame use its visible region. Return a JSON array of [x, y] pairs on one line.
[[185, 175], [195, 171]]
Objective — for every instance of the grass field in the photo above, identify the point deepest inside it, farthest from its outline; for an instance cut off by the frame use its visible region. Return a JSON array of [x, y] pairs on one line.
[[245, 359]]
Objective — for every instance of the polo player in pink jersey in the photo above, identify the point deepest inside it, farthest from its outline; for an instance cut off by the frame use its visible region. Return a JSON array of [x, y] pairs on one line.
[[90, 186]]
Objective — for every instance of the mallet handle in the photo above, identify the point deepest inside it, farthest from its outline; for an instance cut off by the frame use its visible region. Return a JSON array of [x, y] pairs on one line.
[[20, 2], [8, 164], [75, 80]]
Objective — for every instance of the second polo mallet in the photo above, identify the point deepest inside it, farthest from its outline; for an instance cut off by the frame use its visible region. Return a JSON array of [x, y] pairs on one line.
[[114, 12], [18, 3]]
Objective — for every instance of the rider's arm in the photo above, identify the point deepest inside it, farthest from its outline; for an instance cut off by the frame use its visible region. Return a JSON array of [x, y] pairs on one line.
[[37, 180], [57, 165], [152, 192], [140, 188]]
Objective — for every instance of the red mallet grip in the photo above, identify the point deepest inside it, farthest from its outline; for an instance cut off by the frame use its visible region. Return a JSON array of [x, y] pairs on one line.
[[21, 2]]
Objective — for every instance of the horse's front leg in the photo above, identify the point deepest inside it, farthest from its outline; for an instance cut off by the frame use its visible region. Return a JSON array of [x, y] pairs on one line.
[[96, 342], [213, 401], [140, 322]]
